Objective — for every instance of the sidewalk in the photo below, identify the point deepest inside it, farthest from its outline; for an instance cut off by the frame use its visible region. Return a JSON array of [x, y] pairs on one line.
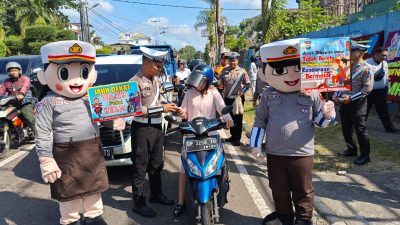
[[360, 197]]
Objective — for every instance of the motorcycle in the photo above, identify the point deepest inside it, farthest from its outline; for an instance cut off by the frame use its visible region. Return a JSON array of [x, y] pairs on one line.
[[203, 159], [12, 129]]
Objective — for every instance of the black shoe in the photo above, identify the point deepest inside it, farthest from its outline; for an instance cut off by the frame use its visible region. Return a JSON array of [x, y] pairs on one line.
[[140, 207], [348, 153], [235, 143], [277, 218], [362, 160], [392, 130], [162, 199], [98, 220], [303, 222], [179, 209], [227, 139]]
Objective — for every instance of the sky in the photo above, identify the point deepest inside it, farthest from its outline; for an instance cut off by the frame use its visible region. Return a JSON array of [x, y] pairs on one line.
[[111, 17]]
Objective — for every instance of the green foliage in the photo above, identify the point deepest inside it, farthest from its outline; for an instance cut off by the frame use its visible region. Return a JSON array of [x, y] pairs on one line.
[[34, 47], [15, 44], [3, 49], [40, 33], [187, 53], [103, 51], [235, 38], [65, 35]]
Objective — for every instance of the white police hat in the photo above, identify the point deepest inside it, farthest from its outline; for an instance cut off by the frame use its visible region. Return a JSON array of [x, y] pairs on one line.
[[152, 54], [356, 46], [281, 53], [62, 52]]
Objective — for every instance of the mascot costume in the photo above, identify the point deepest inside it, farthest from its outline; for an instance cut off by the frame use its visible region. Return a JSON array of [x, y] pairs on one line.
[[287, 117], [67, 141]]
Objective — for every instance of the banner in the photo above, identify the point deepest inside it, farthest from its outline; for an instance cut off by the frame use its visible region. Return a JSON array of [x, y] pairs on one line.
[[109, 102], [393, 59], [373, 40], [325, 64]]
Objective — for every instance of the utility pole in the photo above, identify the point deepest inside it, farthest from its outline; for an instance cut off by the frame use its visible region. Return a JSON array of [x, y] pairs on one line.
[[155, 21], [264, 18], [164, 28], [220, 30], [83, 18]]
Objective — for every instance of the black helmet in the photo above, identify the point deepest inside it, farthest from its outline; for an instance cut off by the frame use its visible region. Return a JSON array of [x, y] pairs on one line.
[[194, 63]]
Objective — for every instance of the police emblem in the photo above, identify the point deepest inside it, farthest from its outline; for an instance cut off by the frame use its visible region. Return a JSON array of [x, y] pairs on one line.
[[304, 110], [290, 50]]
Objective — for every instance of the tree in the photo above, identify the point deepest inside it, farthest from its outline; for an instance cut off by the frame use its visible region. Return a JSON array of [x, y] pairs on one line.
[[188, 52], [235, 38], [65, 35], [206, 18], [3, 49], [15, 44]]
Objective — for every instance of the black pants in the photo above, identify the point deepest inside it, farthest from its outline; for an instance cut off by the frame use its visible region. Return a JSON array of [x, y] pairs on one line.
[[147, 156], [353, 115], [378, 97], [236, 130]]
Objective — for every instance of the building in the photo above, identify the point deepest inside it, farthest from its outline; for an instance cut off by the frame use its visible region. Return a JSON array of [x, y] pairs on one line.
[[134, 39], [76, 28], [343, 7]]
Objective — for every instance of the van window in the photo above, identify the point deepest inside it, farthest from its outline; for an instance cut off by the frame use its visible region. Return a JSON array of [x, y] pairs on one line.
[[23, 62], [115, 73]]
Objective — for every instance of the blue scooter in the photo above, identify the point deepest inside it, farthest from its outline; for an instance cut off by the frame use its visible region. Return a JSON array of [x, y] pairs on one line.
[[203, 159]]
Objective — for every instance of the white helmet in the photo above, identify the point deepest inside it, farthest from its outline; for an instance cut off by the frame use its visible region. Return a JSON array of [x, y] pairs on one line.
[[13, 65]]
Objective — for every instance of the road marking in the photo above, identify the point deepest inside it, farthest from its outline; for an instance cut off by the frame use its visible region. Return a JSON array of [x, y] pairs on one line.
[[24, 151], [248, 182]]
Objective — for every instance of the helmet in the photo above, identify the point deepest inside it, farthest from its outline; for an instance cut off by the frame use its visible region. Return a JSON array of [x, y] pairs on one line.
[[207, 71], [13, 65], [194, 63]]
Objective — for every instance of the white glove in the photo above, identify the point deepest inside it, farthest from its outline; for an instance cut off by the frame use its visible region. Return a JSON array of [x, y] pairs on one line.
[[49, 169], [119, 124], [328, 110]]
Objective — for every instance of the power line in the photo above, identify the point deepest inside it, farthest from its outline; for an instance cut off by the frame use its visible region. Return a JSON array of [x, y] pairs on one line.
[[108, 22], [182, 6]]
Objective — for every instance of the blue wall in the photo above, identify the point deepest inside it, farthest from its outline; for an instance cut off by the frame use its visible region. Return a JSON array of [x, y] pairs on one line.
[[388, 22]]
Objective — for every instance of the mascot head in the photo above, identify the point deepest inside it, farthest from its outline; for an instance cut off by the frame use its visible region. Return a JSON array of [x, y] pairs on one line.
[[68, 67], [281, 64]]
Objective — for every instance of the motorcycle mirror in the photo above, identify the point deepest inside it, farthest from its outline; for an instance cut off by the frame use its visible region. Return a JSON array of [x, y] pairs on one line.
[[36, 70], [170, 118], [227, 109], [168, 87]]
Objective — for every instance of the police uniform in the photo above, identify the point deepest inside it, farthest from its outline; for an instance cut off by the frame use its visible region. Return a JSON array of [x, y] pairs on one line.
[[67, 140], [147, 137], [235, 82], [354, 113], [288, 121]]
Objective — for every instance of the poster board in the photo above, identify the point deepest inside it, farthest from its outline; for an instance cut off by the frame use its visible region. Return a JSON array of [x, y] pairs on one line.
[[393, 60], [374, 40], [109, 102], [325, 64]]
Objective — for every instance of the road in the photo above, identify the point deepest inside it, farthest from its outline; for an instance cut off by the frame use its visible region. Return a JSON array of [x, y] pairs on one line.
[[25, 199]]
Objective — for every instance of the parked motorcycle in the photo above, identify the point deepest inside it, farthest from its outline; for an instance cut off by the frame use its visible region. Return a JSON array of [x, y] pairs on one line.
[[12, 129], [203, 159]]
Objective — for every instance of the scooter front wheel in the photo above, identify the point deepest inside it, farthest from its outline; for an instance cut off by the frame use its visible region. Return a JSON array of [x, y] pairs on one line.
[[206, 213]]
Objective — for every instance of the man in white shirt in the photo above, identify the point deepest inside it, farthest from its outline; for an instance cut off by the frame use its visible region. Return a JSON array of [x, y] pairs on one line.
[[380, 89]]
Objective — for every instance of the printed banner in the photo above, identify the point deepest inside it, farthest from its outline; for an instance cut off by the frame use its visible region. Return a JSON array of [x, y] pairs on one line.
[[393, 59], [325, 64], [373, 40], [109, 102]]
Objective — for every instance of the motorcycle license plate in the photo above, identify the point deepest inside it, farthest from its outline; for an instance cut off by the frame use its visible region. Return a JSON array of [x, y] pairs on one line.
[[193, 145], [108, 153]]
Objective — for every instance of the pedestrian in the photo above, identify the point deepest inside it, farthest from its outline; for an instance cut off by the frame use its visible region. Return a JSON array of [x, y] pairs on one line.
[[236, 83], [287, 118], [218, 68], [19, 85], [182, 72], [253, 74], [378, 94], [68, 141], [201, 100], [353, 105], [147, 137]]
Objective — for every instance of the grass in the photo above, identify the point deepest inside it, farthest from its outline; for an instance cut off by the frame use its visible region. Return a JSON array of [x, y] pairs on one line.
[[329, 141]]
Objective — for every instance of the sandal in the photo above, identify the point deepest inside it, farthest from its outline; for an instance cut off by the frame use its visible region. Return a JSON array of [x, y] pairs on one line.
[[179, 209]]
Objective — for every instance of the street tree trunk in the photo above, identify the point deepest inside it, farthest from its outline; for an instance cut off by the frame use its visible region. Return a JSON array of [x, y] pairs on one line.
[[220, 30], [264, 18]]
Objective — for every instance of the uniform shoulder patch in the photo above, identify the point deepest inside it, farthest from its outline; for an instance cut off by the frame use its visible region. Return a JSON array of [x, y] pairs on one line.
[[274, 95], [38, 108]]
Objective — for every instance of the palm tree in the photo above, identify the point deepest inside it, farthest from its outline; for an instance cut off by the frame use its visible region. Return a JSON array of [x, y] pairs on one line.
[[206, 18]]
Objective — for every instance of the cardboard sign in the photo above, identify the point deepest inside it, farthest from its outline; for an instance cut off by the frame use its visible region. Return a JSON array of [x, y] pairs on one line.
[[393, 59], [325, 64], [109, 102]]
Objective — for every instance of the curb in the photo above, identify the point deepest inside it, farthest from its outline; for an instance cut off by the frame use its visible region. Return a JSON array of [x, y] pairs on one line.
[[323, 210]]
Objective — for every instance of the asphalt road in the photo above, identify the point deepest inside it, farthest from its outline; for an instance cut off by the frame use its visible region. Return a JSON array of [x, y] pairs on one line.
[[25, 199]]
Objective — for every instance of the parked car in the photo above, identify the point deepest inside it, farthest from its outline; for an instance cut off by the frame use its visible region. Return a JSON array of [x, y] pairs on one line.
[[116, 69], [30, 64]]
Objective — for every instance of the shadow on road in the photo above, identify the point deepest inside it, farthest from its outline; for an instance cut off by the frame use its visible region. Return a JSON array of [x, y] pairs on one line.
[[28, 168]]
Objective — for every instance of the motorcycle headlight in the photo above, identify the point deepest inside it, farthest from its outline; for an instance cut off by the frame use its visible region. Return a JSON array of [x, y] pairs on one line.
[[193, 168], [213, 164]]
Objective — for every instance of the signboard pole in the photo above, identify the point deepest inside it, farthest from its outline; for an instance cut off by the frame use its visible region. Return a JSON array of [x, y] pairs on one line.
[[122, 140]]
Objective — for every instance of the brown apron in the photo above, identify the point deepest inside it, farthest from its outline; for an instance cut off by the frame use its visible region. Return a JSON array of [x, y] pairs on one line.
[[83, 170]]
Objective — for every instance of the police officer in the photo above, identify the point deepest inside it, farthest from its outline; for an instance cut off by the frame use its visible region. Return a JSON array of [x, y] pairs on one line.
[[147, 138], [236, 83], [353, 105]]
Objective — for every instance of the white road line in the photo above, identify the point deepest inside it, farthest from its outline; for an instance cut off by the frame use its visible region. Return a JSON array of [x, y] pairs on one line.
[[23, 152], [248, 182]]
